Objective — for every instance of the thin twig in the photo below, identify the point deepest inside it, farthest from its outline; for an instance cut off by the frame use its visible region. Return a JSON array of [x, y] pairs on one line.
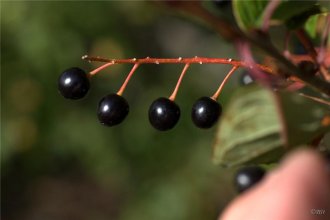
[[316, 99], [217, 93], [176, 89], [122, 88], [100, 68], [268, 13]]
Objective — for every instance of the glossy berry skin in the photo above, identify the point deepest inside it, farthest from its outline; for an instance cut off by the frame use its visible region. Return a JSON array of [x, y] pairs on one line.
[[164, 114], [247, 177], [73, 83], [205, 112], [112, 110]]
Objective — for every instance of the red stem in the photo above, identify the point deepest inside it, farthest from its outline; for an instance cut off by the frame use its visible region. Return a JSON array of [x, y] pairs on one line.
[[176, 89], [100, 68], [122, 88], [217, 93]]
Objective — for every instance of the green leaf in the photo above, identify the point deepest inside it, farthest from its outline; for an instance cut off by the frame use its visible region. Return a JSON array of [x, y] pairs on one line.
[[248, 14], [249, 127], [300, 19], [259, 126], [313, 24], [288, 9]]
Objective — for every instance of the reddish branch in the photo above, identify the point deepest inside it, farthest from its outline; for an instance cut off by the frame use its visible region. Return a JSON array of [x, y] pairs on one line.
[[193, 60], [187, 61]]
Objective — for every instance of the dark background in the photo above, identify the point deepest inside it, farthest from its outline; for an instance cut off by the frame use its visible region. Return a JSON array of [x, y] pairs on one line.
[[58, 162]]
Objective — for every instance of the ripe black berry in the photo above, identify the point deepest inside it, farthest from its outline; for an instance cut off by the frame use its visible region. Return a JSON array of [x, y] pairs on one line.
[[164, 114], [248, 176], [112, 110], [73, 83], [205, 112]]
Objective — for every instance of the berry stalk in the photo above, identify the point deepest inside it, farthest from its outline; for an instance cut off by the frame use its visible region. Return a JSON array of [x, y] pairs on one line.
[[176, 89], [217, 93], [100, 68], [122, 88]]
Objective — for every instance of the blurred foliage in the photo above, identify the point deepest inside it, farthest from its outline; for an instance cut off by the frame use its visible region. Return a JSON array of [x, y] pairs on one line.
[[58, 162], [260, 125]]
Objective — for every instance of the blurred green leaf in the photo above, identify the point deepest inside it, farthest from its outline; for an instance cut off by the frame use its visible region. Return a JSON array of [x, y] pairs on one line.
[[300, 19], [249, 14], [259, 125], [249, 128], [313, 23], [288, 9]]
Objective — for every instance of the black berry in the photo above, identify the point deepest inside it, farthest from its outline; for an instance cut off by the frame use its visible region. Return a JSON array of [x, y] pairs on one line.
[[164, 114], [112, 110], [73, 83], [205, 112], [246, 78], [248, 177]]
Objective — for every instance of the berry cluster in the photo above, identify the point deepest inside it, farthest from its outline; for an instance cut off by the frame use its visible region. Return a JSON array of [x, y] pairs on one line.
[[164, 113]]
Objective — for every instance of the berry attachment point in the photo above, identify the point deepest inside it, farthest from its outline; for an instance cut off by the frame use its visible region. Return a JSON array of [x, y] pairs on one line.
[[73, 83]]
